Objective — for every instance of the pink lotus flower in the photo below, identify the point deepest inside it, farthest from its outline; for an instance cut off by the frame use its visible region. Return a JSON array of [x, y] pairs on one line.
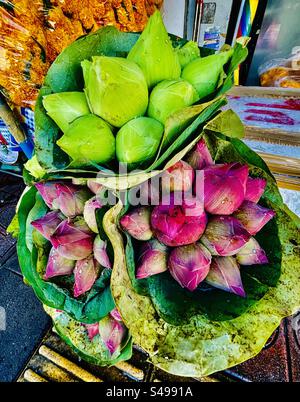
[[92, 330], [225, 274], [71, 199], [94, 186], [200, 157], [49, 193], [224, 187], [116, 315], [89, 213], [48, 223], [189, 265], [255, 189], [85, 274], [112, 333], [178, 177], [253, 216], [137, 223], [224, 236], [153, 259], [73, 239], [252, 254], [58, 265], [100, 252], [178, 225]]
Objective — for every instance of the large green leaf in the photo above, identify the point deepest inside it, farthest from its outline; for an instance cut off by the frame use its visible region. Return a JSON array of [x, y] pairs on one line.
[[75, 335], [195, 335], [33, 254]]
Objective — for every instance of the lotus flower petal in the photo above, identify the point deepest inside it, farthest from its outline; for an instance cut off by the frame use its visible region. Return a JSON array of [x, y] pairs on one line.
[[189, 265], [224, 187], [94, 186], [178, 177], [71, 199], [112, 333], [200, 157], [224, 236], [58, 265], [225, 274], [48, 223], [252, 254], [254, 189], [49, 192], [153, 259], [89, 213], [137, 223], [116, 315], [178, 224], [73, 239], [253, 216], [85, 274], [92, 330], [100, 252]]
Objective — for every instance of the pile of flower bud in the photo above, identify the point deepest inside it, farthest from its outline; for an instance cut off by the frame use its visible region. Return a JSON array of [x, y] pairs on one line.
[[203, 224], [77, 248]]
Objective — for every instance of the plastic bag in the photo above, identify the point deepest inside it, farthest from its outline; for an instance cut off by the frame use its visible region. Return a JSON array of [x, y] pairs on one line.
[[34, 32], [283, 73]]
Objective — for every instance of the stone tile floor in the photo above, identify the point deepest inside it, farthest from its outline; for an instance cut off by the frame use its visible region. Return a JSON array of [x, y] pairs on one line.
[[27, 324]]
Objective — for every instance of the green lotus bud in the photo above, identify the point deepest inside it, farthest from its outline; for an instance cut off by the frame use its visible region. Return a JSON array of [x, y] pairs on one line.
[[187, 53], [169, 97], [89, 139], [154, 53], [116, 89], [205, 73], [139, 140], [65, 107]]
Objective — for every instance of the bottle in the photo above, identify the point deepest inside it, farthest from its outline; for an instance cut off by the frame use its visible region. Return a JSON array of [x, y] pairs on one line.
[[212, 36]]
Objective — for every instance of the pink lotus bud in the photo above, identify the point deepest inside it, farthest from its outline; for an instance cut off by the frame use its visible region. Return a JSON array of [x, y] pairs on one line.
[[178, 177], [224, 236], [112, 333], [85, 274], [255, 189], [92, 330], [49, 192], [73, 239], [116, 315], [58, 265], [94, 186], [137, 223], [71, 199], [89, 213], [225, 274], [100, 252], [179, 223], [224, 187], [253, 216], [200, 157], [152, 260], [48, 223], [189, 265], [252, 254]]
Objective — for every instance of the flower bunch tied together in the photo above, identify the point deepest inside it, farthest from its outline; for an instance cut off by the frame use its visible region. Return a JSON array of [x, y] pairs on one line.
[[200, 223]]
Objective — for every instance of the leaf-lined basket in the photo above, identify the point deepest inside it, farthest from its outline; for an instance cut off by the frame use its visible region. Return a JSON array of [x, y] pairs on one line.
[[197, 334], [66, 75]]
